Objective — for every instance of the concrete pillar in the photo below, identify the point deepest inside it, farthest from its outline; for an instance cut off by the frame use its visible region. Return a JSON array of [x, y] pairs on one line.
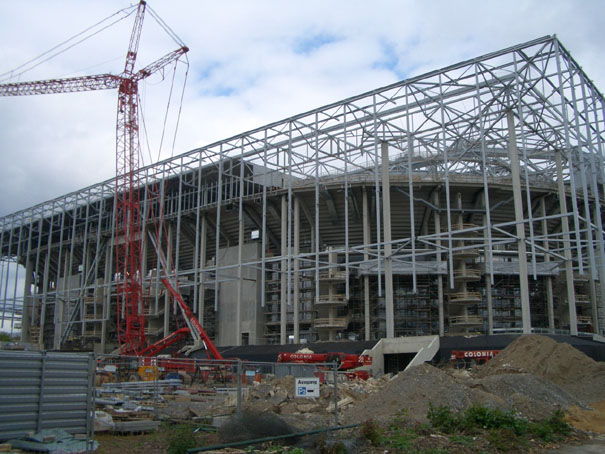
[[27, 300], [591, 281], [202, 265], [388, 259], [571, 296], [332, 260], [107, 280], [296, 247], [488, 275], [550, 310], [366, 258], [283, 313], [62, 297], [601, 270], [166, 294], [43, 302], [240, 278], [437, 220], [519, 217]]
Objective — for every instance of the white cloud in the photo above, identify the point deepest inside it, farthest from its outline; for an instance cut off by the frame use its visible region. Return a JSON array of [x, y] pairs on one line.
[[251, 63]]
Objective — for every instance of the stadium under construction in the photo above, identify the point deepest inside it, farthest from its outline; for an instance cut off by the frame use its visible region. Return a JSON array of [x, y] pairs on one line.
[[464, 201]]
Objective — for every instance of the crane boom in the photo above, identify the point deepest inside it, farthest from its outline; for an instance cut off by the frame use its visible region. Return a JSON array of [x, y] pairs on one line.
[[68, 85], [86, 83]]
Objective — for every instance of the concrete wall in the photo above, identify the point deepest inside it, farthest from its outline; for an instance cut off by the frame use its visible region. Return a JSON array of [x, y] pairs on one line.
[[251, 311], [425, 347]]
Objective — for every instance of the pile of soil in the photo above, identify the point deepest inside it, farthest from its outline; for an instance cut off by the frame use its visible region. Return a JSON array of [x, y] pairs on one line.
[[590, 420], [534, 397], [410, 392], [560, 363]]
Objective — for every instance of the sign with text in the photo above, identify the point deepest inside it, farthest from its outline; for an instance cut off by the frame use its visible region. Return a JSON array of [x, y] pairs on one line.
[[306, 387]]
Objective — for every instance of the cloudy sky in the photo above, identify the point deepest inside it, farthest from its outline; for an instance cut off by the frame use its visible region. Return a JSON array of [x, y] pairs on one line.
[[250, 63]]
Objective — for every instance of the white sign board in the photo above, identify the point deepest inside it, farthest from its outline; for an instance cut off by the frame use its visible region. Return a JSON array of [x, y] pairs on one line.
[[306, 387]]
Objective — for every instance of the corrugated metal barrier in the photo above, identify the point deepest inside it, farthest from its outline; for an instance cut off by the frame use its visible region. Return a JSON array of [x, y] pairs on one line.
[[46, 390]]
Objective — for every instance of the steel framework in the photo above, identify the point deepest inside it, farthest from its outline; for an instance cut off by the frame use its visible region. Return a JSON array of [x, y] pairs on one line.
[[455, 179]]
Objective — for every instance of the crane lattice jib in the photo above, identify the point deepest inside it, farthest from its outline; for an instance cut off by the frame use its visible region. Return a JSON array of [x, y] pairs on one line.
[[70, 85]]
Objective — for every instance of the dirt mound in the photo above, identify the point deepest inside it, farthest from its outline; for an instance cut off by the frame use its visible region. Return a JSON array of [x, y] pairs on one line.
[[591, 420], [412, 391], [560, 363], [534, 397]]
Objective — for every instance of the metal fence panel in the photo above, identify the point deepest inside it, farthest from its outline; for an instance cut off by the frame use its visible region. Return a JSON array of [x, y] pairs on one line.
[[45, 390]]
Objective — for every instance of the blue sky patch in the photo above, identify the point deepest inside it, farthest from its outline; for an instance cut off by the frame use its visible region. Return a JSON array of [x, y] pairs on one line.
[[309, 44]]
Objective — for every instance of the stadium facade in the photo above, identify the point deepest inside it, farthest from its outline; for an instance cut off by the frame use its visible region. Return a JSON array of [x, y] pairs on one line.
[[466, 200]]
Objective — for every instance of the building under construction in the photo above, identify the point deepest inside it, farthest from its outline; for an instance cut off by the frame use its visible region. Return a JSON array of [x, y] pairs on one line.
[[466, 200]]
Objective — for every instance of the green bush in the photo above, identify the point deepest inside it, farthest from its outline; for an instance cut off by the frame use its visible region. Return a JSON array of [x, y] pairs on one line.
[[371, 431], [477, 417], [180, 439], [442, 418], [552, 429]]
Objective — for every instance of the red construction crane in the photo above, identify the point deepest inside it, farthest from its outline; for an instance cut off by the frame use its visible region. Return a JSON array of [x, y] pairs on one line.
[[128, 222]]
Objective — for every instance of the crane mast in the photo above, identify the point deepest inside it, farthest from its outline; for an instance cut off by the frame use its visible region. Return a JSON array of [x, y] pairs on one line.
[[129, 288], [128, 219]]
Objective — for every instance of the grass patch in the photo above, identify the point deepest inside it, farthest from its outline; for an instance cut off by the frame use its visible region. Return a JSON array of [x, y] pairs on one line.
[[504, 430]]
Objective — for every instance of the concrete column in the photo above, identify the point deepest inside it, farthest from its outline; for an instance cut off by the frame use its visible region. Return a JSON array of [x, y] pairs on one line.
[[518, 202], [240, 278], [388, 259], [488, 275], [166, 272], [60, 305], [550, 311], [601, 270], [366, 258], [107, 299], [437, 218], [202, 265], [571, 295], [44, 292], [296, 247], [332, 260], [283, 315], [27, 300], [89, 261], [591, 281]]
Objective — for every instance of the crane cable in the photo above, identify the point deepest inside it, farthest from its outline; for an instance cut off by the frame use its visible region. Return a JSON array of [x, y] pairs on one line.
[[178, 117], [165, 26], [12, 73]]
